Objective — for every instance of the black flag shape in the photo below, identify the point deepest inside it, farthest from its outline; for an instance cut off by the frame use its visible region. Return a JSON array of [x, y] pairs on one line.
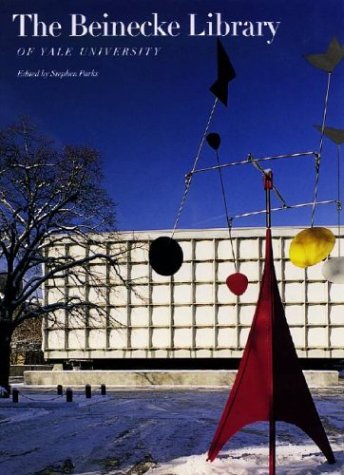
[[328, 61], [214, 140], [336, 135], [225, 73]]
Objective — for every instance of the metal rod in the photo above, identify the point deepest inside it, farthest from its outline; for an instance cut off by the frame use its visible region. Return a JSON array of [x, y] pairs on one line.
[[229, 224], [318, 156], [282, 208], [189, 175], [258, 167], [268, 208], [268, 185], [339, 198], [249, 160], [272, 445]]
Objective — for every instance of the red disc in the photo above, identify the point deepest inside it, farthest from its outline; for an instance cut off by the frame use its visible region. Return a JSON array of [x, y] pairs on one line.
[[237, 283]]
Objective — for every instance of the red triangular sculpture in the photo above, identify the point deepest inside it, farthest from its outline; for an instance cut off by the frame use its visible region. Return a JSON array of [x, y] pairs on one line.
[[270, 385]]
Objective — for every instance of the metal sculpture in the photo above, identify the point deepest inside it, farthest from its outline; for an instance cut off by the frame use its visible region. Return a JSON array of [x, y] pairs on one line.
[[270, 385]]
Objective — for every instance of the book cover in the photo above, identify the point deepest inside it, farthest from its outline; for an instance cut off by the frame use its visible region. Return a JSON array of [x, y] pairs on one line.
[[167, 92]]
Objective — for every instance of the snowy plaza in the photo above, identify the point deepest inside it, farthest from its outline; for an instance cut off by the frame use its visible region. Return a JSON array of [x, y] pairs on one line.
[[158, 432]]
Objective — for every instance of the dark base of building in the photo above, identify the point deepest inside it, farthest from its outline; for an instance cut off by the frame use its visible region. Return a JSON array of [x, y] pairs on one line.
[[187, 364]]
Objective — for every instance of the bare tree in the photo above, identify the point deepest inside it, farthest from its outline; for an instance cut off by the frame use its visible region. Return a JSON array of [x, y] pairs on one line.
[[47, 196]]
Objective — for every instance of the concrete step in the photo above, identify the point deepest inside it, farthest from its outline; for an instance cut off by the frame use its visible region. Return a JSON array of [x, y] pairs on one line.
[[139, 378]]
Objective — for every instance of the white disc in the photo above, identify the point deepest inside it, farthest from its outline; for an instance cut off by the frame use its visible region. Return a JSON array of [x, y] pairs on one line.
[[333, 270]]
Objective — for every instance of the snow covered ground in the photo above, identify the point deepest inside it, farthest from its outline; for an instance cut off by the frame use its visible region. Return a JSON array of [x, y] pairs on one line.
[[158, 432]]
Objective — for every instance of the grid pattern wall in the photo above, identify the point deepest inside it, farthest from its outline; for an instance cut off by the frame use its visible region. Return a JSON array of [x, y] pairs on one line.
[[192, 314]]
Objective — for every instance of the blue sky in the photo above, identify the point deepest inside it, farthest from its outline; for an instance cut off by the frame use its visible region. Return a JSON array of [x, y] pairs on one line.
[[146, 115]]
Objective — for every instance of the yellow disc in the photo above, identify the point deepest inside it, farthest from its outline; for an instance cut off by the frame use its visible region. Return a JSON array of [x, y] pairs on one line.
[[311, 246]]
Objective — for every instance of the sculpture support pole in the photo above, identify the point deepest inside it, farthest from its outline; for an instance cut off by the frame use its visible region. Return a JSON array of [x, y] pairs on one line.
[[272, 445], [268, 185]]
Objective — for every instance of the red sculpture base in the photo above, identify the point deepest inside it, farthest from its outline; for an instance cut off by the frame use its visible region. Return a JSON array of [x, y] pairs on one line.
[[270, 385]]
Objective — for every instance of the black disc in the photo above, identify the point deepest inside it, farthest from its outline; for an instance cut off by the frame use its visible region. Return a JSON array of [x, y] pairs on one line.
[[165, 255], [214, 140]]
